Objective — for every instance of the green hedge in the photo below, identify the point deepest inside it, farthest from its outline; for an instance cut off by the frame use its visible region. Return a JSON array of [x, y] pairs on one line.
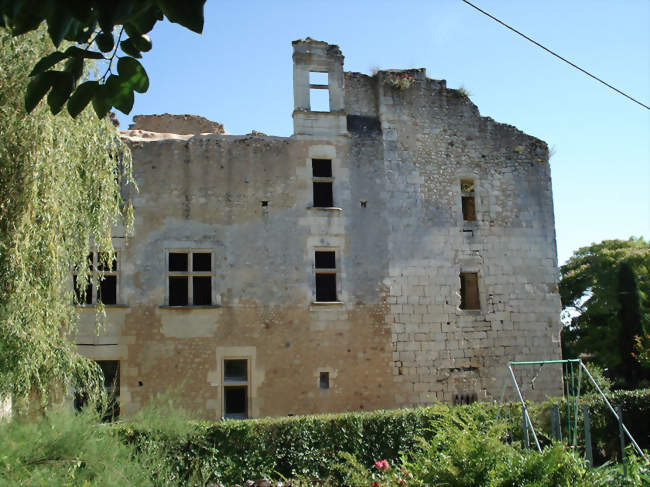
[[308, 446], [303, 446]]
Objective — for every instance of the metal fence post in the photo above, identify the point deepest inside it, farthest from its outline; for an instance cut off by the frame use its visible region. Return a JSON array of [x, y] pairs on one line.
[[588, 450], [556, 423], [621, 436], [525, 440]]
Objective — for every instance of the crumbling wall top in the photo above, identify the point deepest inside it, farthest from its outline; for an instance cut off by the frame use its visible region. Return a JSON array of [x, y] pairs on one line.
[[176, 124], [312, 46]]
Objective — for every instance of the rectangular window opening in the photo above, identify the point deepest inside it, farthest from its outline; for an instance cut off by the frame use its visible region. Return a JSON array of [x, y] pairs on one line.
[[107, 291], [81, 297], [178, 295], [324, 380], [190, 278], [111, 371], [235, 391], [202, 261], [316, 78], [325, 269], [178, 262], [468, 199], [325, 259], [235, 370], [235, 402], [102, 285], [469, 298], [319, 100], [321, 168], [323, 183], [202, 291]]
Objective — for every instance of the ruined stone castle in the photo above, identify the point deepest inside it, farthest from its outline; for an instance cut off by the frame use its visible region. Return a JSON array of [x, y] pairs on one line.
[[398, 249]]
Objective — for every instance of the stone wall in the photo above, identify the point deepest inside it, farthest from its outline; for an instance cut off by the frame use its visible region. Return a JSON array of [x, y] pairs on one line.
[[396, 336], [176, 124]]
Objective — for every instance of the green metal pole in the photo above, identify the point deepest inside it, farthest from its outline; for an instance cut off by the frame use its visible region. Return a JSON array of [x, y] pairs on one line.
[[523, 407], [629, 435], [621, 438], [588, 451]]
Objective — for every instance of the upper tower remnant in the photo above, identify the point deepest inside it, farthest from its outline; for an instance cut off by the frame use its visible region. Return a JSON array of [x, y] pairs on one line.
[[318, 92]]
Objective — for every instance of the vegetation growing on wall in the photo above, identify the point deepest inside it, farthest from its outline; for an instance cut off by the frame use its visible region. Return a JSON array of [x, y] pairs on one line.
[[59, 190]]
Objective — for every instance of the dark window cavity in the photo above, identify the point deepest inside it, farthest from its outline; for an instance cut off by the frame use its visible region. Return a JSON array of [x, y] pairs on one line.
[[468, 199], [323, 183], [190, 278], [111, 371], [469, 298], [325, 272], [324, 380], [178, 261], [102, 283], [235, 390]]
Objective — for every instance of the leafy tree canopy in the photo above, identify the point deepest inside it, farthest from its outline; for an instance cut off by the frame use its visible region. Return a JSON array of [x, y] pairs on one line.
[[59, 190], [605, 290], [100, 29]]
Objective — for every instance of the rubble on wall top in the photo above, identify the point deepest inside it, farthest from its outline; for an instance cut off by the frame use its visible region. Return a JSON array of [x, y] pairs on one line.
[[176, 124]]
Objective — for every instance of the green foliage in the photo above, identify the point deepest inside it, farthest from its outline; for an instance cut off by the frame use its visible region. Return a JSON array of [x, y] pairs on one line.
[[635, 406], [461, 446], [592, 300], [91, 25], [467, 454], [59, 190], [64, 449]]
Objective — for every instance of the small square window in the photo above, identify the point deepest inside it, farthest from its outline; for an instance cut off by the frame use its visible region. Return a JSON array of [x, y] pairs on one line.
[[190, 278], [235, 402], [323, 195], [316, 78], [102, 285], [321, 168], [324, 380], [319, 100], [235, 370], [202, 261], [178, 261], [325, 259]]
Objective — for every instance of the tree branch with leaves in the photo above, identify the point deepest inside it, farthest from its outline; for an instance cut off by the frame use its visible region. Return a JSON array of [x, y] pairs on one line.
[[97, 28]]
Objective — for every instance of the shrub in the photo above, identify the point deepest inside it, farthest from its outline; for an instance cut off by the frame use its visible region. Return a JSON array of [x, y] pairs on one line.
[[61, 448]]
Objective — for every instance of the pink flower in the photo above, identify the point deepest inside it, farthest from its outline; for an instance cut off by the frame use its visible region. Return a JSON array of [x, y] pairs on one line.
[[381, 465]]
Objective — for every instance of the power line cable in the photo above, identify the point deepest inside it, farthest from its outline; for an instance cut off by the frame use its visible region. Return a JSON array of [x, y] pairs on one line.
[[556, 55]]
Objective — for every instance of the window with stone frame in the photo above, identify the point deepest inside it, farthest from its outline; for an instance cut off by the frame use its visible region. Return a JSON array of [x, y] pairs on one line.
[[323, 183], [469, 297], [235, 388], [189, 277], [102, 282], [468, 200], [319, 92], [325, 274]]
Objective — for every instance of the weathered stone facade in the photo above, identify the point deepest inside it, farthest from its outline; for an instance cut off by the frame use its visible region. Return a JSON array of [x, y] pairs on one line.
[[388, 329]]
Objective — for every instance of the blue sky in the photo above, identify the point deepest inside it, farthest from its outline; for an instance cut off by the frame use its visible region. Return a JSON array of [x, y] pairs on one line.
[[239, 73]]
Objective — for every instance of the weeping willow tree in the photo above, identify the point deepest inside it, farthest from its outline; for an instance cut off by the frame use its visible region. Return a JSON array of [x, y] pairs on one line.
[[59, 191]]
